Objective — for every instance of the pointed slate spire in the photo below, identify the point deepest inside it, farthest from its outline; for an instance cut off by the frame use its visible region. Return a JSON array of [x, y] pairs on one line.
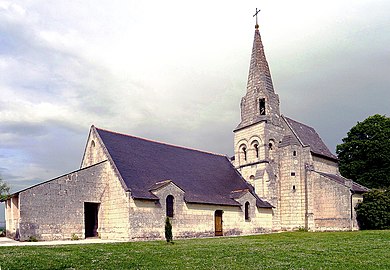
[[260, 102], [259, 75]]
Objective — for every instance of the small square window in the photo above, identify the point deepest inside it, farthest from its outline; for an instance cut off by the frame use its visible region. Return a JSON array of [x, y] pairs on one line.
[[292, 173]]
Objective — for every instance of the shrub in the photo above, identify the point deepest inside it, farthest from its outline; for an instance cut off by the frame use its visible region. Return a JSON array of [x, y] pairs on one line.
[[75, 237], [373, 213], [168, 230], [302, 229], [32, 238]]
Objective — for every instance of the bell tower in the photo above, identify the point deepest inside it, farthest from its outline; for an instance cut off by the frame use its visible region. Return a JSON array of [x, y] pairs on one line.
[[260, 102], [257, 136]]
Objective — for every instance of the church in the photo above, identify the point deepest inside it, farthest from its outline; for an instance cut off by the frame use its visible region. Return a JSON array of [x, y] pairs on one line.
[[282, 177]]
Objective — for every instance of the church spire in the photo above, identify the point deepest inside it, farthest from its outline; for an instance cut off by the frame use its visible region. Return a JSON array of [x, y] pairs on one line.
[[259, 74], [260, 102]]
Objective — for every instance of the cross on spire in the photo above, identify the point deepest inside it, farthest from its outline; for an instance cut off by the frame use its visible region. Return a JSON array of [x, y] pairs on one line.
[[257, 25]]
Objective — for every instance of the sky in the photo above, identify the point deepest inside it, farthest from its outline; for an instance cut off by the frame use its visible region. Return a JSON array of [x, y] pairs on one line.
[[175, 71]]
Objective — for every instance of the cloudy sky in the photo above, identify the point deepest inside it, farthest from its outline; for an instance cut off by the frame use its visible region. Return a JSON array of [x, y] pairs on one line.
[[175, 71]]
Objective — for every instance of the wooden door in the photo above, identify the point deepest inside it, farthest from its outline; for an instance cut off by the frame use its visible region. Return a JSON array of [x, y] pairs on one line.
[[218, 223]]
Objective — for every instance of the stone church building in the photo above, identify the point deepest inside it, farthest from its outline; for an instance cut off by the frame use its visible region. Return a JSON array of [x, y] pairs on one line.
[[282, 177]]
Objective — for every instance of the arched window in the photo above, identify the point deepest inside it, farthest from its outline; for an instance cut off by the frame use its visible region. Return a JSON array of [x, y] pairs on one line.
[[242, 153], [256, 146], [93, 152], [252, 180], [169, 206], [247, 211], [271, 146]]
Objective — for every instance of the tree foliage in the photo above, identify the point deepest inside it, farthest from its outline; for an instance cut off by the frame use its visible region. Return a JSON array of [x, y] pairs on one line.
[[168, 230], [364, 155], [4, 190], [374, 212]]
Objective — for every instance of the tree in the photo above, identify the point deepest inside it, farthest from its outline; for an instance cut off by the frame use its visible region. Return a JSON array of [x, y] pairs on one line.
[[373, 213], [364, 155], [168, 230], [4, 190]]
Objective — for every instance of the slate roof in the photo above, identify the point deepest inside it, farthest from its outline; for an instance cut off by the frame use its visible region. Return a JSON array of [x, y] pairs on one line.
[[289, 140], [309, 137], [356, 188], [204, 177]]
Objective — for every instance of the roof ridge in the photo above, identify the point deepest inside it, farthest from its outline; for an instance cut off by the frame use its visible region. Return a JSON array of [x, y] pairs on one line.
[[360, 185], [112, 162], [328, 175], [159, 142], [240, 190], [293, 131], [288, 118], [58, 177], [308, 136]]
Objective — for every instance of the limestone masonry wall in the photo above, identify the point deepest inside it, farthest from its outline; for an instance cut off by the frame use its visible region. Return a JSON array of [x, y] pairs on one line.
[[55, 210], [115, 200], [147, 218], [247, 137], [356, 198], [332, 205], [292, 187], [12, 216], [325, 165]]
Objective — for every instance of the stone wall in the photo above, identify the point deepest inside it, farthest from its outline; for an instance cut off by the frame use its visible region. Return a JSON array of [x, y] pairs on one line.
[[12, 216], [292, 187], [147, 218], [246, 137], [55, 209], [325, 165], [331, 204], [115, 200], [262, 172], [94, 150], [356, 198]]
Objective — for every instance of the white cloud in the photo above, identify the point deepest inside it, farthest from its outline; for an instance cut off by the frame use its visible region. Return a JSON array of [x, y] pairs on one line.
[[175, 71]]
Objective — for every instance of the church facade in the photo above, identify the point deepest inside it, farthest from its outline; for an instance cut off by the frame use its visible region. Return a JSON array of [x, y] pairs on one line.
[[282, 177]]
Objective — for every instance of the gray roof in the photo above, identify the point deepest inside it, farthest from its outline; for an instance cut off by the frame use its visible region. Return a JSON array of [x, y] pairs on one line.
[[144, 165], [289, 140], [356, 188], [309, 137]]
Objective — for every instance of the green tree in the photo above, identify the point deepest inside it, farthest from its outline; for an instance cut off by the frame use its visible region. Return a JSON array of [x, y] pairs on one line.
[[4, 190], [168, 230], [364, 155], [373, 213]]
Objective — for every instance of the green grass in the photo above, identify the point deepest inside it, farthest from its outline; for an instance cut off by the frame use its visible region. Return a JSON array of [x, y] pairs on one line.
[[295, 250]]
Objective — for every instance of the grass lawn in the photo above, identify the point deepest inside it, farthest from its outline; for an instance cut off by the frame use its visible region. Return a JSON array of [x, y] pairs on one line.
[[293, 250]]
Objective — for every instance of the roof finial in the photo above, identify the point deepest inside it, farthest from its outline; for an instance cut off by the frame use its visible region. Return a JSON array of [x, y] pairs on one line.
[[257, 25]]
